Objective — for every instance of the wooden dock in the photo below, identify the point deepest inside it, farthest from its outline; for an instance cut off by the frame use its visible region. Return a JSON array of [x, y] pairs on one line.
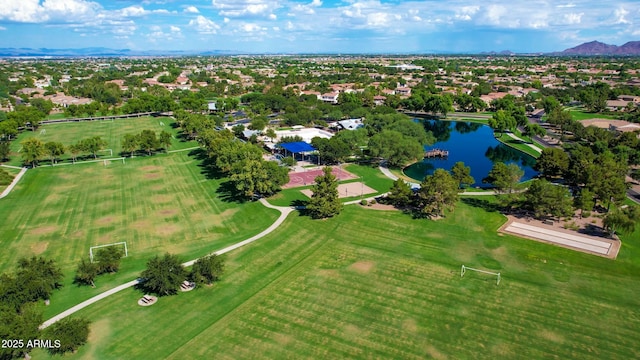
[[436, 153]]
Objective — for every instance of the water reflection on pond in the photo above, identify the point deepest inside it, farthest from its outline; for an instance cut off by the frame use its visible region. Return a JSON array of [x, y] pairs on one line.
[[473, 144]]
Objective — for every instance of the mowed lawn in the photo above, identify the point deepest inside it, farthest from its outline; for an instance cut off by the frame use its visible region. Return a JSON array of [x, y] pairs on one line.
[[157, 204], [111, 131], [378, 284]]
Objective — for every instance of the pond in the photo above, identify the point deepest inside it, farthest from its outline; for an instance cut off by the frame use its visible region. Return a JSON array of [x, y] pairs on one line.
[[473, 144]]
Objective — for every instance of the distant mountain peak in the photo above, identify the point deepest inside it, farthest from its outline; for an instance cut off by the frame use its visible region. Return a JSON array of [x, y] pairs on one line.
[[631, 48]]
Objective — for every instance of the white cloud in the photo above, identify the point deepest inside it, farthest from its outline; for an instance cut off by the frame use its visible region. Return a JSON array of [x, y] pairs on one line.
[[620, 15], [174, 28], [465, 13], [33, 11], [573, 18], [245, 8], [252, 27], [2, 28], [569, 5], [133, 11], [191, 10], [204, 25]]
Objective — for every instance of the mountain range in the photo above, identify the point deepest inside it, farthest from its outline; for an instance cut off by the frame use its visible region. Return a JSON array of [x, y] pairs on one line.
[[632, 48], [593, 48]]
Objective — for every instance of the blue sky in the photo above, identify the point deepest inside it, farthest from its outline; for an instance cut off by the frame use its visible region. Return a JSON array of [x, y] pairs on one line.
[[345, 26]]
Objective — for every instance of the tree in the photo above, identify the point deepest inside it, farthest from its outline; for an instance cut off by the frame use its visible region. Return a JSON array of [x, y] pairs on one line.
[[147, 140], [86, 273], [164, 275], [552, 162], [129, 143], [32, 150], [584, 201], [5, 150], [550, 103], [255, 176], [75, 149], [437, 193], [534, 130], [607, 178], [400, 193], [462, 174], [545, 198], [54, 149], [395, 147], [623, 221], [38, 277], [108, 259], [271, 134], [207, 269], [502, 121], [22, 324], [93, 145], [325, 201], [560, 118], [504, 177], [165, 140], [71, 332]]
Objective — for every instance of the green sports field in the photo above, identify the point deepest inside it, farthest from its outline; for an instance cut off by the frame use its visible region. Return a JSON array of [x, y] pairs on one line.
[[156, 204], [111, 131], [378, 284], [365, 284]]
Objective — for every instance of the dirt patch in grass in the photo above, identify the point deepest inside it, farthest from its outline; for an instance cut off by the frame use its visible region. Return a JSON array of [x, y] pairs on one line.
[[151, 168], [43, 230], [282, 338], [157, 187], [362, 267], [151, 176], [433, 353], [77, 234], [141, 225], [331, 273], [159, 199], [352, 330], [167, 212], [378, 206], [410, 325], [168, 229], [39, 247], [106, 220], [551, 336]]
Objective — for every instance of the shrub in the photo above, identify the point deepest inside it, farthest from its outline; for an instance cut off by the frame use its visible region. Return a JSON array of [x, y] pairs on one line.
[[363, 202]]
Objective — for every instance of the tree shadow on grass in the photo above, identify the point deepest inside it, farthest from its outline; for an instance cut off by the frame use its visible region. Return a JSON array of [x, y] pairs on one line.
[[227, 192], [482, 204]]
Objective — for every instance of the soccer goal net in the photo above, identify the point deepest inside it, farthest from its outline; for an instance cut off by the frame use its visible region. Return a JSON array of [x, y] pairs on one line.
[[122, 244], [464, 269]]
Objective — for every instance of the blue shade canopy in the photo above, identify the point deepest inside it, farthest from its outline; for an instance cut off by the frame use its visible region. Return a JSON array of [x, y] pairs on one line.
[[297, 147]]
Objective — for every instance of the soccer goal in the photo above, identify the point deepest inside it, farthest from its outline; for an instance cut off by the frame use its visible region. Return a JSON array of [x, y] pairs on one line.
[[464, 269], [123, 244]]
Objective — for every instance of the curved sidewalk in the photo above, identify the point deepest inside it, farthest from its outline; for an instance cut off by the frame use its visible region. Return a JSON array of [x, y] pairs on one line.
[[284, 212], [14, 182]]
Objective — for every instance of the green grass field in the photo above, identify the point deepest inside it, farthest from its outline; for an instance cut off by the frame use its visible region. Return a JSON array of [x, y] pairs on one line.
[[378, 284], [111, 131], [155, 204], [581, 115], [364, 284]]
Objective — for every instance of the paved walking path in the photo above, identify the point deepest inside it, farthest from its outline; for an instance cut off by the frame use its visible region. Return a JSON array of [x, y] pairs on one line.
[[284, 212], [513, 136], [15, 180]]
